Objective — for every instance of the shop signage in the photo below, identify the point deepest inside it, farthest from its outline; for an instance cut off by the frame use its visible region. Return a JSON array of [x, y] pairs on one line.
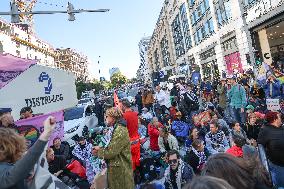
[[261, 8], [42, 88], [273, 104], [266, 55]]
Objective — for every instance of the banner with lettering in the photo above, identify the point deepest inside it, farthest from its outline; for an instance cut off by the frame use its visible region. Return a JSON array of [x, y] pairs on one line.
[[42, 88], [11, 67], [32, 127], [273, 104]]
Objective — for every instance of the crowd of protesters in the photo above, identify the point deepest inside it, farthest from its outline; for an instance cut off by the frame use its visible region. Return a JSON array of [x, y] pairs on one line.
[[209, 135]]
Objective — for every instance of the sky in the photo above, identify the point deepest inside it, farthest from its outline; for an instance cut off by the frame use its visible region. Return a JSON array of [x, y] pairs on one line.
[[114, 36]]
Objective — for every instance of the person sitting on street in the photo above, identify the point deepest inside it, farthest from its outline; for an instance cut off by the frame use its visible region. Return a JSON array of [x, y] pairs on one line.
[[198, 156], [153, 132], [82, 151], [252, 129], [215, 139], [178, 173], [208, 182], [179, 128], [146, 114], [166, 140], [237, 143], [60, 149]]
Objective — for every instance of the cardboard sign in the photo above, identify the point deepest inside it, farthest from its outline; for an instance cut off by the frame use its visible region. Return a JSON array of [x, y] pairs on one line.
[[203, 117], [273, 104], [42, 88]]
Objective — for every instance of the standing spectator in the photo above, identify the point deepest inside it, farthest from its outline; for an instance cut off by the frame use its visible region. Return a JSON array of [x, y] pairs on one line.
[[173, 110], [82, 151], [6, 118], [26, 113], [222, 93], [153, 132], [271, 137], [215, 139], [178, 173], [146, 114], [272, 87], [147, 99], [138, 100], [189, 104], [197, 157], [166, 140], [161, 98], [142, 130], [131, 118], [60, 149], [238, 100], [15, 162], [117, 153]]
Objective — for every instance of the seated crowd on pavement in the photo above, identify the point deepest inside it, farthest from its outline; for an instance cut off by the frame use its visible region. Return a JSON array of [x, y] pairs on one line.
[[210, 135]]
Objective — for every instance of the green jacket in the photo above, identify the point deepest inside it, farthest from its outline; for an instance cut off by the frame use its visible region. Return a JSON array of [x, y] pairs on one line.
[[237, 96], [118, 157]]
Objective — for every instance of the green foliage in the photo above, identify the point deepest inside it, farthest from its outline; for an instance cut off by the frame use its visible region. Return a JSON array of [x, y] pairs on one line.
[[118, 79]]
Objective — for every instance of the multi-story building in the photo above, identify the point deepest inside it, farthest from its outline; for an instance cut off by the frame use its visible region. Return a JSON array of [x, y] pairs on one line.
[[75, 62], [217, 35], [143, 72], [15, 40]]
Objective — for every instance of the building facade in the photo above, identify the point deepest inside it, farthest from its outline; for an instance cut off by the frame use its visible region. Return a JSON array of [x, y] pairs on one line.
[[16, 41], [143, 72], [70, 60], [216, 36]]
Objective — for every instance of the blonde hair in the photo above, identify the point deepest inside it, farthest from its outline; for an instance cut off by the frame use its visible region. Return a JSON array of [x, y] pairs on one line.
[[115, 113], [12, 145]]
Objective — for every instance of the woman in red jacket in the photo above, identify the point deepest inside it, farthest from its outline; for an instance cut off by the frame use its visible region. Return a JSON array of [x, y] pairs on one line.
[[153, 132]]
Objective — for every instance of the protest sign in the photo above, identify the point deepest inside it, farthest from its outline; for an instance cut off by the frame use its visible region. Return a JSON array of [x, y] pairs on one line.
[[273, 104]]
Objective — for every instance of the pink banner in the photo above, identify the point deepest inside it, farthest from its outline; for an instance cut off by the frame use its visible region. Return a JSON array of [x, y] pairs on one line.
[[32, 127], [11, 67], [233, 62]]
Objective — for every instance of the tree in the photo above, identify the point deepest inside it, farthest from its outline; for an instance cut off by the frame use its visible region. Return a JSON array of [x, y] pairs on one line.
[[118, 79], [81, 87]]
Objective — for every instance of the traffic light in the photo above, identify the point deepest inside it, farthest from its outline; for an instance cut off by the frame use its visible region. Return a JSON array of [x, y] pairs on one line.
[[258, 60], [15, 17], [70, 9]]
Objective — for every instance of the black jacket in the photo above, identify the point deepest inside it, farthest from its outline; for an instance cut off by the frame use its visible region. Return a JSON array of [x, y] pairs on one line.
[[252, 131], [272, 138]]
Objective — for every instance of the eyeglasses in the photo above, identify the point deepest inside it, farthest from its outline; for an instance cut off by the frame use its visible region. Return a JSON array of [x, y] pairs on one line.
[[173, 161]]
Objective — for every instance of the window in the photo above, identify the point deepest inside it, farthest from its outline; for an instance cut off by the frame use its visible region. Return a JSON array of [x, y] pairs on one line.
[[223, 12], [206, 4], [219, 17], [211, 27], [190, 3], [196, 38], [228, 9], [178, 37], [165, 51], [185, 27], [156, 57], [207, 28]]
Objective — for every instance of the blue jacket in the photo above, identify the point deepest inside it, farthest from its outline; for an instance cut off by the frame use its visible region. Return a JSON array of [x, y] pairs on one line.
[[180, 129], [276, 89]]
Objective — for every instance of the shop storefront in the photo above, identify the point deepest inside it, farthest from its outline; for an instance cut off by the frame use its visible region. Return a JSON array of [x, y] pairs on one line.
[[209, 64]]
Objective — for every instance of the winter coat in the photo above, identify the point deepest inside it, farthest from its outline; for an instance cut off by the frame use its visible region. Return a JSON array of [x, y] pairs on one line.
[[180, 128], [183, 175], [237, 96], [272, 139], [118, 156], [222, 92], [276, 89], [172, 141], [235, 151], [195, 161], [147, 99], [153, 133], [252, 131], [217, 142]]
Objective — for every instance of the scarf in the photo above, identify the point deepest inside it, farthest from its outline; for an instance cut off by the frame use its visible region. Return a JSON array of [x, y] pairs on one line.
[[201, 156], [217, 139], [178, 175], [94, 164]]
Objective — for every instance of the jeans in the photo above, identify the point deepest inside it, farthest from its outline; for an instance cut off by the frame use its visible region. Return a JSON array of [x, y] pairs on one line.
[[277, 174], [238, 115]]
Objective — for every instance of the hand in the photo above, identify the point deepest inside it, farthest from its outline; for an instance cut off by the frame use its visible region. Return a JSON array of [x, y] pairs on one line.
[[242, 110], [58, 173], [49, 126]]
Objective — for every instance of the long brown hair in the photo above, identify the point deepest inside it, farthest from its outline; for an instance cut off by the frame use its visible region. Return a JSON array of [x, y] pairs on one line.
[[232, 169], [12, 145]]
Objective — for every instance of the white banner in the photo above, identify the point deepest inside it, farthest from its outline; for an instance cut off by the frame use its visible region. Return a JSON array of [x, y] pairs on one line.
[[273, 104], [42, 88]]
